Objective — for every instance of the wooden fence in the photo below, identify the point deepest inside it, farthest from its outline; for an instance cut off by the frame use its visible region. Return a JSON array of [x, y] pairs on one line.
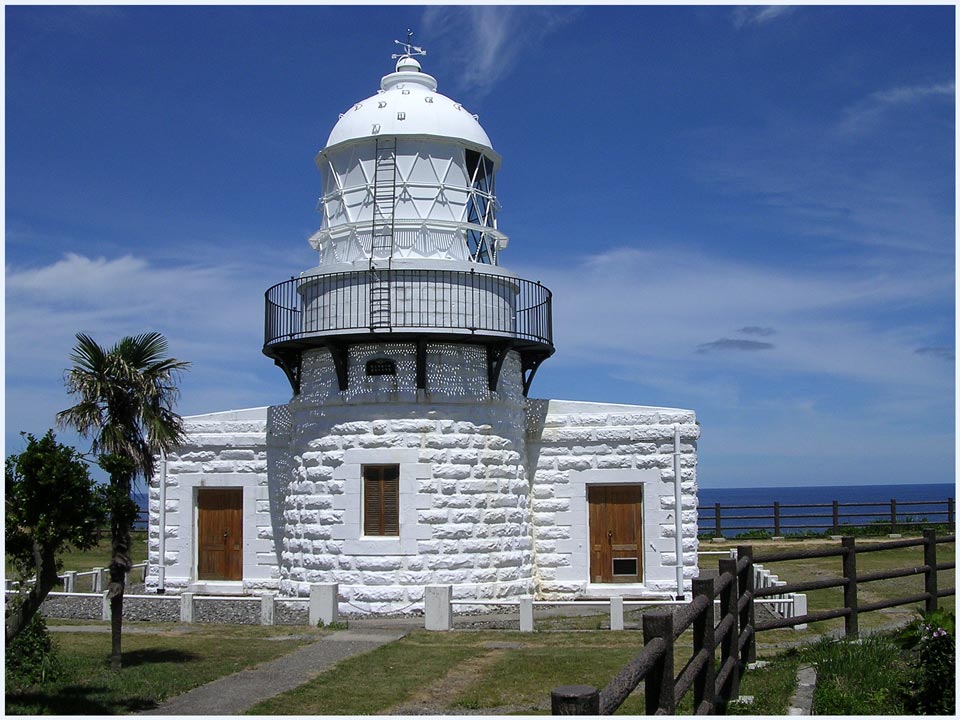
[[734, 633], [713, 520]]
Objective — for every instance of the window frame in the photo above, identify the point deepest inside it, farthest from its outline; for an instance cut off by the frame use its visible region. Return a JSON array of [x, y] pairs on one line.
[[384, 523]]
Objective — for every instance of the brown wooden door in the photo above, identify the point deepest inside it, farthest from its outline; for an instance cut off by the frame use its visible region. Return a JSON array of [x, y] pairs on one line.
[[220, 534], [616, 533]]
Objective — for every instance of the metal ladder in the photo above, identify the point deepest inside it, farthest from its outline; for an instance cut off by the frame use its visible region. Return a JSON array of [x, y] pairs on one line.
[[381, 241]]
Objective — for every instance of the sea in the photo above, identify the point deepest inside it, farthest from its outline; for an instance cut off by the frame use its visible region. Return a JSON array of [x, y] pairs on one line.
[[936, 494]]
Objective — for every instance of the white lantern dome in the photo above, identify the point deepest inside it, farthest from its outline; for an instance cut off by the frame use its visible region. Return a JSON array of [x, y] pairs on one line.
[[408, 104]]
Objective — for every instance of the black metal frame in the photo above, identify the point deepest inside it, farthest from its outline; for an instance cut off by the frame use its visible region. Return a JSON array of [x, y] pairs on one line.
[[523, 325]]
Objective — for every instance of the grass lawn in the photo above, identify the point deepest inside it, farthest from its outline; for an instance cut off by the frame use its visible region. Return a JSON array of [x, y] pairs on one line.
[[84, 560], [456, 672], [462, 671], [156, 666]]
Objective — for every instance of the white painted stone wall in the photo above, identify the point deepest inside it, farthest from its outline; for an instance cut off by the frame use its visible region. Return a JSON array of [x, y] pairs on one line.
[[574, 444], [225, 449], [493, 486], [464, 488]]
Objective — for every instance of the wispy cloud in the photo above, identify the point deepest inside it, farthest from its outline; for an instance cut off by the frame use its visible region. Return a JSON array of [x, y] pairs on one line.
[[867, 113], [729, 344], [757, 330], [211, 314], [481, 44], [822, 318], [943, 353], [759, 15]]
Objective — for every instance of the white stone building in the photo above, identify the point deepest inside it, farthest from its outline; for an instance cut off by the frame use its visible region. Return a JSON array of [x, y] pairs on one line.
[[410, 454]]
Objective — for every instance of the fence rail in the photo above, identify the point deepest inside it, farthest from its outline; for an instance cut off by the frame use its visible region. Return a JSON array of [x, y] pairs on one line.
[[714, 686], [716, 519]]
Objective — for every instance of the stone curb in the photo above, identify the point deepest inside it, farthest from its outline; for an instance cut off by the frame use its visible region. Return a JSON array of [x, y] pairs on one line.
[[802, 701]]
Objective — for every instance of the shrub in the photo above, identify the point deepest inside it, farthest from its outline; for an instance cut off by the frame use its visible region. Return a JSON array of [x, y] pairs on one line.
[[31, 657], [932, 689]]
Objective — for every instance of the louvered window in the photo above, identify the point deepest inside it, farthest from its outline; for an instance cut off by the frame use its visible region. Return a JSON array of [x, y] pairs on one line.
[[381, 500]]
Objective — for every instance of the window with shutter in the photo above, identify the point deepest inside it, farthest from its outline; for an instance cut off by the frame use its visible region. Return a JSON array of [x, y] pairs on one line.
[[381, 500]]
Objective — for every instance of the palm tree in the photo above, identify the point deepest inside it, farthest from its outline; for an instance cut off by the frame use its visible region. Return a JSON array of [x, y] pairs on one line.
[[125, 402]]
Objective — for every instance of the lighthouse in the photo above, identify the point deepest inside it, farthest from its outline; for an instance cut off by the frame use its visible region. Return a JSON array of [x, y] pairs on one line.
[[411, 452], [410, 350]]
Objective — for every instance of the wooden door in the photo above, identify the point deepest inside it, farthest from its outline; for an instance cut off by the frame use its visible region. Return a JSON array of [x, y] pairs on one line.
[[220, 530], [616, 533]]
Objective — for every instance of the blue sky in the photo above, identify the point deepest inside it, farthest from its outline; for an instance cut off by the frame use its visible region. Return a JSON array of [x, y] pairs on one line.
[[746, 211]]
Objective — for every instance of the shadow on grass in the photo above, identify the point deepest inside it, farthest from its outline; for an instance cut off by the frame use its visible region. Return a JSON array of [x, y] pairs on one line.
[[75, 700], [150, 656], [103, 698]]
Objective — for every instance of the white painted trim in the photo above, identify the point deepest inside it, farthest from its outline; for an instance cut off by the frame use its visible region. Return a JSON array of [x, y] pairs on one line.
[[350, 502]]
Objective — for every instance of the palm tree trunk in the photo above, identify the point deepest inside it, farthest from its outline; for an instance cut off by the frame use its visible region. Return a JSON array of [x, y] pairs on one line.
[[119, 567]]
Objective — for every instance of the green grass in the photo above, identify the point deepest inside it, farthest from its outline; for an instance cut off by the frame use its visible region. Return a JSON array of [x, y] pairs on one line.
[[99, 556], [771, 687], [156, 666], [859, 679]]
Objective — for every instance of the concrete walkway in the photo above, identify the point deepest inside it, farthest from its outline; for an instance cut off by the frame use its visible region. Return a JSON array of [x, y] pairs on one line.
[[234, 694]]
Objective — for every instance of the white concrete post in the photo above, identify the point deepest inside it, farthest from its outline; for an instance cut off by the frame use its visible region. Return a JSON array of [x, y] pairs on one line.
[[266, 609], [161, 572], [324, 604], [437, 608], [70, 581], [98, 580], [186, 607], [616, 613], [783, 609], [526, 613], [105, 608], [799, 608]]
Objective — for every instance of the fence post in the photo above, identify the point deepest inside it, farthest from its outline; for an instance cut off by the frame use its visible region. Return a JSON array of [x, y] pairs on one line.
[[616, 613], [575, 700], [950, 512], [437, 610], [893, 515], [105, 607], [324, 603], [746, 587], [704, 685], [186, 607], [717, 532], [776, 518], [799, 608], [728, 646], [266, 608], [658, 687], [70, 581], [930, 576], [851, 624], [836, 517], [97, 580], [526, 613]]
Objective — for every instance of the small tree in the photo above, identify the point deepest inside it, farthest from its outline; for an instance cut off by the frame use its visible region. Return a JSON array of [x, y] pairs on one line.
[[125, 396], [51, 503]]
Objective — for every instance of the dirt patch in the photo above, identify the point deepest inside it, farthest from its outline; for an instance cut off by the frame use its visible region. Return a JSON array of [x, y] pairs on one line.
[[433, 699]]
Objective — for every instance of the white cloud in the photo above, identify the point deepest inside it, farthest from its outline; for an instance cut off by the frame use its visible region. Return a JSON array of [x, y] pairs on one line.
[[212, 316], [630, 308], [759, 15], [480, 44], [867, 113]]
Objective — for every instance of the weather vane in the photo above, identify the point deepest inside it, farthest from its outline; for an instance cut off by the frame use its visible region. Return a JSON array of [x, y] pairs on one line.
[[411, 50]]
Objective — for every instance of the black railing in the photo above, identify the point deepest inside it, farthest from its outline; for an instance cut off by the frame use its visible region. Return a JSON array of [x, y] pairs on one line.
[[717, 519], [432, 302]]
